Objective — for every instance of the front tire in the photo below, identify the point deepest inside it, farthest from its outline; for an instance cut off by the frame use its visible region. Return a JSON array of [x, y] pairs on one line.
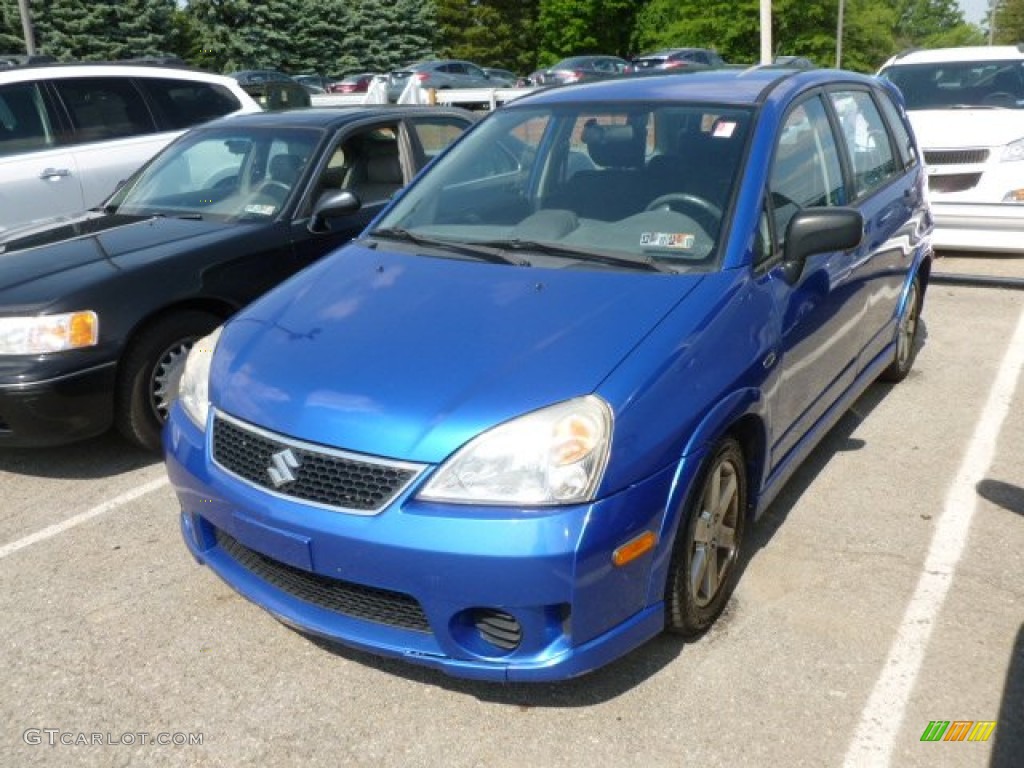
[[151, 373], [705, 557]]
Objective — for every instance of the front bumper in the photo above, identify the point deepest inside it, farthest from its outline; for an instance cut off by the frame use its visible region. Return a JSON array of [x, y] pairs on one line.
[[57, 409], [425, 582], [990, 227]]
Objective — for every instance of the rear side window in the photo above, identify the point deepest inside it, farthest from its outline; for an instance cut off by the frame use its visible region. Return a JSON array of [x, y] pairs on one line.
[[104, 107], [904, 144], [435, 133], [866, 140], [184, 103], [24, 122]]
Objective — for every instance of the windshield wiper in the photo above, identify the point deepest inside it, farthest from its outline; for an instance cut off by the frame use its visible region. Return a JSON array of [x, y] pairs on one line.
[[582, 254], [476, 250]]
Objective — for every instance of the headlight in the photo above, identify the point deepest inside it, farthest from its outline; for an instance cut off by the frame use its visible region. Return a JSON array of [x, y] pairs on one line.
[[194, 390], [48, 333], [1012, 151], [556, 455]]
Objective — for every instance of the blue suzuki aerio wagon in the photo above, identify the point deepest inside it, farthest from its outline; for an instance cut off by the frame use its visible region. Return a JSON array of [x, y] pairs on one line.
[[521, 425]]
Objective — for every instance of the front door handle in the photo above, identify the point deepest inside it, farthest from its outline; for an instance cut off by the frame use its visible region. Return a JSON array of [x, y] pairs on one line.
[[53, 173]]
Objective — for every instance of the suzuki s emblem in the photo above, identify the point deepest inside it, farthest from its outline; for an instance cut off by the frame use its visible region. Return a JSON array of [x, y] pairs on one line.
[[281, 465]]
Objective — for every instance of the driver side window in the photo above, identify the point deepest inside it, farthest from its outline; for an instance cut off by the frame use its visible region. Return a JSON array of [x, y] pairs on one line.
[[806, 170]]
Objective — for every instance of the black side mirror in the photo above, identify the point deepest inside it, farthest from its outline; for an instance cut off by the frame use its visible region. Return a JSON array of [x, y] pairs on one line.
[[816, 230], [339, 202]]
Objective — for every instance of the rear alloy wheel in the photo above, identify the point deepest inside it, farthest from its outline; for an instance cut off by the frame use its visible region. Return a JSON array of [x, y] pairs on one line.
[[151, 374], [906, 336], [704, 564]]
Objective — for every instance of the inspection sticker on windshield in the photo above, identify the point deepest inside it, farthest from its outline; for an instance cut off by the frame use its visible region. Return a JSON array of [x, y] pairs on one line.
[[679, 240], [260, 210], [724, 129]]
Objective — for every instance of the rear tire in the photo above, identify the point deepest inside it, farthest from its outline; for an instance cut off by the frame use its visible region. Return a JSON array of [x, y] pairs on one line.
[[906, 336], [151, 373], [705, 557]]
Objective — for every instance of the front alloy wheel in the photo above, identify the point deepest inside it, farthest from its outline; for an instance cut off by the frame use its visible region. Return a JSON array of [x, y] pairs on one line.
[[705, 561]]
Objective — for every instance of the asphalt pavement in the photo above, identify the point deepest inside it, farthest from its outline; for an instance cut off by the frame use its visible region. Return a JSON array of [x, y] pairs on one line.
[[882, 592]]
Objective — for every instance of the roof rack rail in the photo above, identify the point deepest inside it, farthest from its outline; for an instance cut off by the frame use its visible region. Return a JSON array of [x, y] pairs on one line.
[[12, 60], [15, 60]]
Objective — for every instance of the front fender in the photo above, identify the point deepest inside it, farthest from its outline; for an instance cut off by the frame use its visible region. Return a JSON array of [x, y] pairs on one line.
[[744, 407]]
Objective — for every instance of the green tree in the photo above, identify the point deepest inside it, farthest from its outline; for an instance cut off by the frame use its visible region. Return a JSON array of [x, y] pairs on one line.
[[93, 29], [933, 24], [11, 38], [498, 33], [1009, 22], [799, 27], [390, 33], [569, 27]]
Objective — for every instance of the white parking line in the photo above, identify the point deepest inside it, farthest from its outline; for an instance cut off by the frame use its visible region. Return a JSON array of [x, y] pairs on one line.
[[71, 522], [883, 715]]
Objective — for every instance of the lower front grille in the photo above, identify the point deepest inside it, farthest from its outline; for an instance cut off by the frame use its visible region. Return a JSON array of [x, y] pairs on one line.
[[381, 606], [957, 182]]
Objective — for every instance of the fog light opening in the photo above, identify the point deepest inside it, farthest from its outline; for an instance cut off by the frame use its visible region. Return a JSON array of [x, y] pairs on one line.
[[498, 628]]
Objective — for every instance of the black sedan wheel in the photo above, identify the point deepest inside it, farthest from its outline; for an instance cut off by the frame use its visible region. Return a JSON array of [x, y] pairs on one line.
[[151, 374], [703, 571]]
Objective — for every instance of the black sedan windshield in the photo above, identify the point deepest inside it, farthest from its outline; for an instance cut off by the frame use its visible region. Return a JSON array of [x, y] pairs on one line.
[[222, 174]]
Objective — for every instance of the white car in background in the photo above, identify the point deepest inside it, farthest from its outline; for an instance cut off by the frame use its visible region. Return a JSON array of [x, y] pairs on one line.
[[69, 133], [967, 108]]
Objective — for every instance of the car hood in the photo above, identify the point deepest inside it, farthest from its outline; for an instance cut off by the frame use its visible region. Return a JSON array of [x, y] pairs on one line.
[[409, 357], [961, 128], [37, 251]]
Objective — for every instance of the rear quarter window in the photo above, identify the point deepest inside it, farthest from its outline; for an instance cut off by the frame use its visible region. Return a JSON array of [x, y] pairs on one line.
[[105, 107], [24, 122], [184, 103]]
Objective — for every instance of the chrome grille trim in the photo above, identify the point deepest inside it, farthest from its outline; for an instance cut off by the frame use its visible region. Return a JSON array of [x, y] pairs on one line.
[[400, 474]]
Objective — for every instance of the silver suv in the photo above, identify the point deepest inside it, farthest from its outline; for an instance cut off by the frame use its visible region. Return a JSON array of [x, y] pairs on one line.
[[70, 133]]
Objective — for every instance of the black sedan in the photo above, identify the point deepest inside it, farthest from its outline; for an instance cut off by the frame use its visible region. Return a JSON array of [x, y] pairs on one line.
[[582, 69], [98, 312]]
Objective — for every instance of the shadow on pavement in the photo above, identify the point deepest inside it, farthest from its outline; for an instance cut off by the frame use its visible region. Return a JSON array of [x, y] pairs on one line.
[[106, 456], [1008, 749], [1005, 495]]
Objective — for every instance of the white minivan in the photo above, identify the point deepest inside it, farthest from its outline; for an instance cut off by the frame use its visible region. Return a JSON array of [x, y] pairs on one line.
[[70, 133], [967, 108]]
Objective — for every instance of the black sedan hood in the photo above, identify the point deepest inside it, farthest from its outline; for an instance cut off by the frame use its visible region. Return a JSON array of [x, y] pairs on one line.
[[34, 252], [63, 228]]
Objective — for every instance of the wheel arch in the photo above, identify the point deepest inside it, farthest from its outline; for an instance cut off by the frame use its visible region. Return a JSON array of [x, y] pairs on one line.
[[215, 306], [740, 416]]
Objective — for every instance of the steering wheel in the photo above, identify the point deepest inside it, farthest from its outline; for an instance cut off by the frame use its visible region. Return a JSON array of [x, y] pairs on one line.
[[707, 212], [273, 191]]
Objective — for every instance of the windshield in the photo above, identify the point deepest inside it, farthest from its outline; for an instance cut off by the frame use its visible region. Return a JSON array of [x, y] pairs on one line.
[[222, 173], [947, 85], [584, 185]]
